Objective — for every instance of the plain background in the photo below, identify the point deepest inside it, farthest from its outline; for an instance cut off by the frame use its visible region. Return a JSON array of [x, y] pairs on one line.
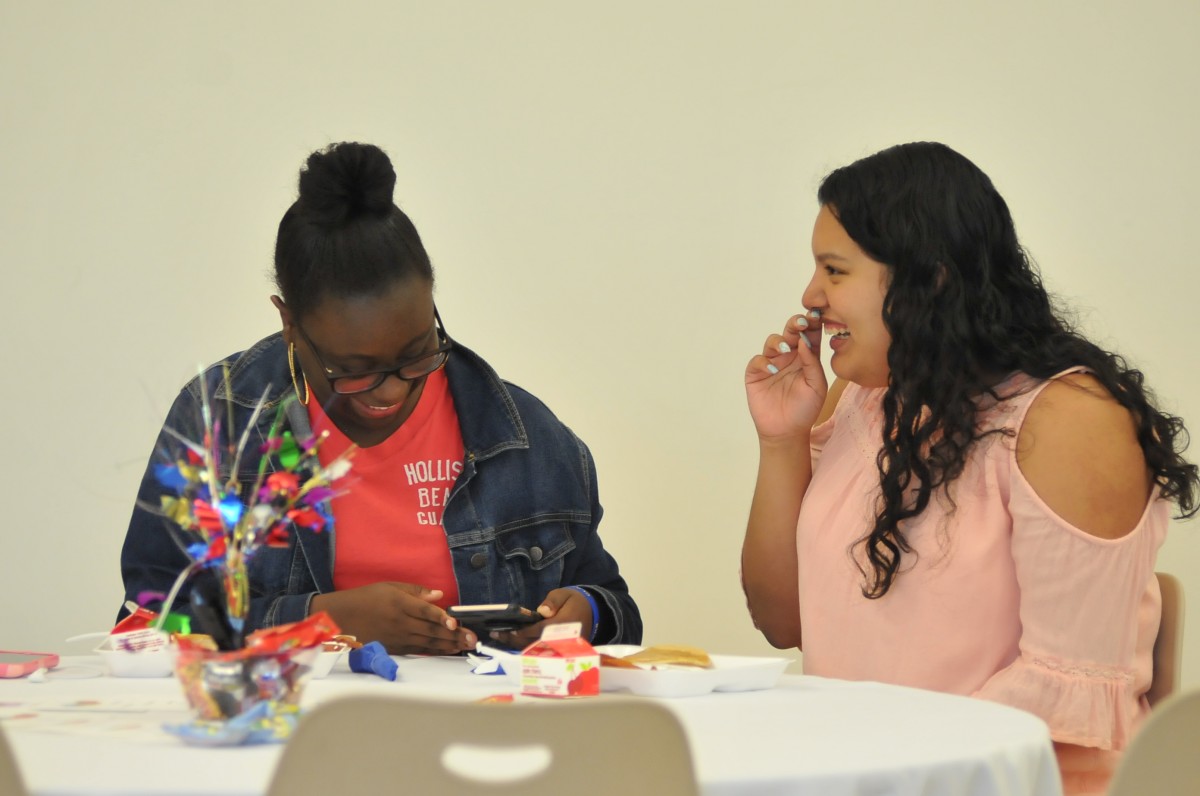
[[617, 198]]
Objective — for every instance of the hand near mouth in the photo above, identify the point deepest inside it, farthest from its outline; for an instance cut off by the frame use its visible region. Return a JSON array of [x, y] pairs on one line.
[[785, 384]]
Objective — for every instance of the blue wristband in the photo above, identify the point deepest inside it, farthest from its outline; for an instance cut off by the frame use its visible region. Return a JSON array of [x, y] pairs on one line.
[[595, 609]]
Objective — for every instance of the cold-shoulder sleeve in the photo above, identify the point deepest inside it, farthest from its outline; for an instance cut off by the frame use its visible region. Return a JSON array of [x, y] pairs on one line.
[[1089, 610]]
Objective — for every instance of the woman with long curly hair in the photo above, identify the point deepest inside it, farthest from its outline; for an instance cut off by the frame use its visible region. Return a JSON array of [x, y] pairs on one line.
[[976, 503]]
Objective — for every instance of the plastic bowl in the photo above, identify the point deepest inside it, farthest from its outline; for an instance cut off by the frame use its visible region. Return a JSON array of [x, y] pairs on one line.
[[152, 663]]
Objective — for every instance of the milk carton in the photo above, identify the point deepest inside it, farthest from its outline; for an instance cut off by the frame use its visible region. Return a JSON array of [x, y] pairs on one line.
[[560, 664]]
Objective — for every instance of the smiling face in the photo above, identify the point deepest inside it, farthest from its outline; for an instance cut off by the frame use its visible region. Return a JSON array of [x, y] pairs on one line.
[[848, 287], [352, 335]]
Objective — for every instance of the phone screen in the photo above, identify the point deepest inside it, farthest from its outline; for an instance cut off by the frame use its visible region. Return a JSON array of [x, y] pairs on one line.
[[500, 616]]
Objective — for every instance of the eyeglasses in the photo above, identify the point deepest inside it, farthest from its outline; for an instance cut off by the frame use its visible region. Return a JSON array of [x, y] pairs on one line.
[[353, 383]]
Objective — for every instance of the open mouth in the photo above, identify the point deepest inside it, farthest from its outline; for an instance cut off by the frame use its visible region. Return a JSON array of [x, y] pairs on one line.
[[837, 332], [376, 412]]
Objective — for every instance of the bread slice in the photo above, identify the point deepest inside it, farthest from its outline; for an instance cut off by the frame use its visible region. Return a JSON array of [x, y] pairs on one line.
[[673, 654], [615, 662]]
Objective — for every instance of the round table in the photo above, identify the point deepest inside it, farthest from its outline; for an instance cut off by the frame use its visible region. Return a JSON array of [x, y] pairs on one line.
[[87, 736]]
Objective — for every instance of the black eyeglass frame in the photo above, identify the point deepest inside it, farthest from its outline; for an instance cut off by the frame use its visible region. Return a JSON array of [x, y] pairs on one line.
[[441, 353]]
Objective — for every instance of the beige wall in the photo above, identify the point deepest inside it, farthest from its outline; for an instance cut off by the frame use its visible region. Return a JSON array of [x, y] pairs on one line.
[[617, 198]]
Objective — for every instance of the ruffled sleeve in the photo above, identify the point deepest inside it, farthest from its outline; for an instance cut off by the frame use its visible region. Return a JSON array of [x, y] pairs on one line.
[[1086, 706], [1089, 610]]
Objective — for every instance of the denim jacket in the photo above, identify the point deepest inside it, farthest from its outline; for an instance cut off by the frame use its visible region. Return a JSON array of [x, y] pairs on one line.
[[521, 519]]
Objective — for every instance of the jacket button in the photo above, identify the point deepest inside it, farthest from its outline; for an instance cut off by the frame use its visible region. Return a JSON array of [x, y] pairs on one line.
[[535, 553], [478, 560]]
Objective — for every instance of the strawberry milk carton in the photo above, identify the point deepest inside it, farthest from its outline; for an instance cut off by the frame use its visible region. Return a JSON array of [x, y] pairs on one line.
[[560, 664]]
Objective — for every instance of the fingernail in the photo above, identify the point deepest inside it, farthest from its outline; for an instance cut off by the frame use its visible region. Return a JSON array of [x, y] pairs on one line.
[[805, 339], [471, 639], [772, 369], [801, 322], [495, 634], [450, 624], [815, 313], [784, 348]]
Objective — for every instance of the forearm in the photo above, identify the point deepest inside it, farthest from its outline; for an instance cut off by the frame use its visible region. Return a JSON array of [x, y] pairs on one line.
[[620, 621], [769, 563], [1085, 770], [591, 567]]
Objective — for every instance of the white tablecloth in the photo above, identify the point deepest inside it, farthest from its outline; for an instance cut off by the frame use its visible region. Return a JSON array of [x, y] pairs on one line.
[[808, 735]]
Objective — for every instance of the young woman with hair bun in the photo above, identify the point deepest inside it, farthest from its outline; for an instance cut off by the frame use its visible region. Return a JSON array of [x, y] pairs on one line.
[[465, 489], [976, 503]]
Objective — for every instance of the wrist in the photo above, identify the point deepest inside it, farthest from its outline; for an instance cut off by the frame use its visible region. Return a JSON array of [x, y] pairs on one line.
[[595, 609], [785, 443]]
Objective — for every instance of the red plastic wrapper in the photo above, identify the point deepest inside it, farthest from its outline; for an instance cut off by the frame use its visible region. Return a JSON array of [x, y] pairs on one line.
[[196, 642], [306, 633], [140, 619]]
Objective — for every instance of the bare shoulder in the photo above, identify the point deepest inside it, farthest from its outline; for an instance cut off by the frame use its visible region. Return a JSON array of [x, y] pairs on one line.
[[831, 400], [1079, 451]]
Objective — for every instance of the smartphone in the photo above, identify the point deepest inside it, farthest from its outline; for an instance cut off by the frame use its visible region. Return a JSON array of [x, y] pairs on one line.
[[19, 664], [483, 619]]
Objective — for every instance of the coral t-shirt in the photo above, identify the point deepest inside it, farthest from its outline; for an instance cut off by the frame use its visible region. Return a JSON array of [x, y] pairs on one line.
[[388, 515]]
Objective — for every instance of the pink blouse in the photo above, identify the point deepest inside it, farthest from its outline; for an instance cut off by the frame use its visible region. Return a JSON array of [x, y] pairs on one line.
[[1001, 599]]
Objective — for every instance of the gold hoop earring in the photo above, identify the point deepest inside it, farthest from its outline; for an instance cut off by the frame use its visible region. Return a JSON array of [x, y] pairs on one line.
[[295, 385]]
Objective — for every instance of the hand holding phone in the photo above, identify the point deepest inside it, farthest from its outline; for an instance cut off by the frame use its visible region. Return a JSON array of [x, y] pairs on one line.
[[484, 619]]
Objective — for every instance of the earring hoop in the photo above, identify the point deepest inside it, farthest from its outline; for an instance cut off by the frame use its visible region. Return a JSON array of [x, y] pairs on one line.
[[295, 385]]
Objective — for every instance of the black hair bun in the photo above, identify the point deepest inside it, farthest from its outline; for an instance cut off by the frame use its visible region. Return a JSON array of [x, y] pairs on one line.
[[346, 181]]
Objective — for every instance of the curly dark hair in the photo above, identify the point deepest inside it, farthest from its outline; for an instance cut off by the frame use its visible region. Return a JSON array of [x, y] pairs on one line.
[[964, 307]]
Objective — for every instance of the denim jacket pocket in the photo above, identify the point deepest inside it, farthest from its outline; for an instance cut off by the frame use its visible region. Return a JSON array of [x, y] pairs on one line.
[[532, 554]]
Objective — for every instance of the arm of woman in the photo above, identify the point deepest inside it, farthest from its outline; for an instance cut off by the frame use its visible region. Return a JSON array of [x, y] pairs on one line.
[[592, 590], [153, 553], [617, 618], [1079, 451], [787, 395], [401, 616], [1084, 547]]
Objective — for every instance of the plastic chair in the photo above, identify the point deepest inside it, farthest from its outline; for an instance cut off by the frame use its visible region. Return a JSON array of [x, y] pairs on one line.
[[1168, 646], [600, 745], [11, 783], [1162, 759]]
